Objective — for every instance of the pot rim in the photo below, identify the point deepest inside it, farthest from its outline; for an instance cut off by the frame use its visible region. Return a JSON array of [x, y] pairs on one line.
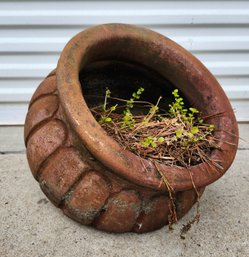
[[139, 44]]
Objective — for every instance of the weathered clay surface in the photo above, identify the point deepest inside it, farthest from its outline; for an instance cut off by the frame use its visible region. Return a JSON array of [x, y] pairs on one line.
[[61, 172], [86, 173], [47, 87], [43, 142], [37, 113]]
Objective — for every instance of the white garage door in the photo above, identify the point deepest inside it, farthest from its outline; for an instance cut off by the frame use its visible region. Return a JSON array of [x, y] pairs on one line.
[[32, 34]]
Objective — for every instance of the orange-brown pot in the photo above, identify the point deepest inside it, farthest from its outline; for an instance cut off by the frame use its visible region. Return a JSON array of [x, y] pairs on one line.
[[89, 175]]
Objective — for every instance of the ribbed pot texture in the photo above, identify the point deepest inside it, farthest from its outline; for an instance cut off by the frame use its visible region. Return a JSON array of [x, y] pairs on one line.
[[85, 172]]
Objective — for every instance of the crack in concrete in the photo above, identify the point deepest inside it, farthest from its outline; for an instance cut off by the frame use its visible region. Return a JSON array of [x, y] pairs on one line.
[[13, 152]]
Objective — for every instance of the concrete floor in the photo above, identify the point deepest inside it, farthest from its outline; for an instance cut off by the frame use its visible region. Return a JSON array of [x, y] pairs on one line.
[[32, 226]]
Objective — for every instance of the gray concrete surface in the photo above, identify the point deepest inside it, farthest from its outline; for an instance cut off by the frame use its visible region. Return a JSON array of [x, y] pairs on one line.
[[32, 226]]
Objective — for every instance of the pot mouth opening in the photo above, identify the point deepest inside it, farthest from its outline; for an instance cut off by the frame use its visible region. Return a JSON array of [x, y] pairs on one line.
[[122, 78], [131, 45]]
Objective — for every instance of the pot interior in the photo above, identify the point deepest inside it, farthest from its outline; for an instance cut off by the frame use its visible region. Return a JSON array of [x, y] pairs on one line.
[[123, 78]]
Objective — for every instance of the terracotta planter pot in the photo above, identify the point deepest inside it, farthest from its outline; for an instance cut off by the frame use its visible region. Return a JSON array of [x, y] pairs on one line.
[[84, 171]]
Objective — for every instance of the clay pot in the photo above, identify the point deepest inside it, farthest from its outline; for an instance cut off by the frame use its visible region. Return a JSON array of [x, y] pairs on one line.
[[85, 172]]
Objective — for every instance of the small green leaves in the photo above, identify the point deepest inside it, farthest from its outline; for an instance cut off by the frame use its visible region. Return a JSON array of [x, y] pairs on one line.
[[153, 144], [211, 127], [179, 133], [200, 120], [179, 110], [153, 141], [175, 93], [108, 92], [136, 95], [189, 135], [128, 120], [150, 141], [105, 116], [193, 110], [140, 91], [108, 119], [113, 108], [160, 140], [107, 95], [153, 109], [129, 103], [104, 119], [194, 130], [192, 125], [178, 106]]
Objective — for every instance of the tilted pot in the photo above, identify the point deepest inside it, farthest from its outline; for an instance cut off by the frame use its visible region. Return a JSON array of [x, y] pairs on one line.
[[85, 172]]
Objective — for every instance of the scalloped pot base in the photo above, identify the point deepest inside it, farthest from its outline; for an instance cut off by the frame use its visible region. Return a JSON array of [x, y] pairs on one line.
[[85, 172]]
